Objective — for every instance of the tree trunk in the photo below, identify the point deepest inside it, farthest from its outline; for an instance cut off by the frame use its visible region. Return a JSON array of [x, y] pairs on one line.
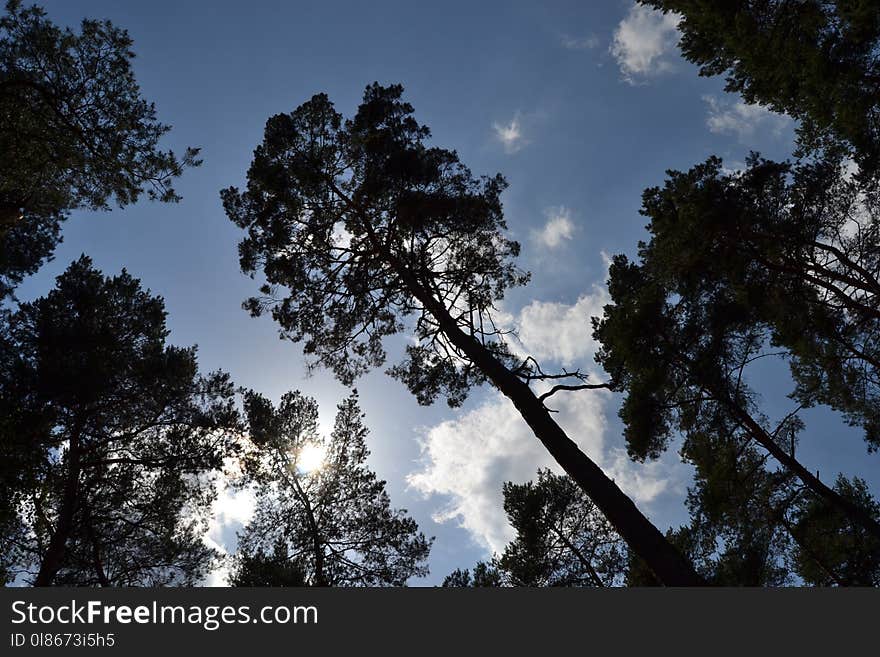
[[643, 538], [317, 544], [97, 563], [852, 511], [54, 556]]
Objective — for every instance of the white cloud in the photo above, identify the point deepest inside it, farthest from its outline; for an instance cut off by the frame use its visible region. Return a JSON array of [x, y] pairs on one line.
[[231, 511], [742, 120], [580, 43], [642, 41], [559, 227], [510, 134], [561, 332], [341, 236], [468, 459]]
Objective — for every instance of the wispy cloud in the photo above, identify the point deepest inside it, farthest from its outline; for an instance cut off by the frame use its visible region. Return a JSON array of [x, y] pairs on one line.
[[510, 134], [642, 42], [735, 117], [580, 43], [558, 228]]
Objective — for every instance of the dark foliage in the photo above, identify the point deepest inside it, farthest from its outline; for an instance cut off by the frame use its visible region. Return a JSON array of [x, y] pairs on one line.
[[358, 226], [262, 568], [331, 524], [561, 540], [363, 231], [484, 575], [816, 60], [109, 435], [777, 255], [74, 133], [777, 261], [751, 526], [831, 550]]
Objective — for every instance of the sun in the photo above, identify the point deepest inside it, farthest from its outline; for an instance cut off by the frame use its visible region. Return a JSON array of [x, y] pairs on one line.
[[311, 457]]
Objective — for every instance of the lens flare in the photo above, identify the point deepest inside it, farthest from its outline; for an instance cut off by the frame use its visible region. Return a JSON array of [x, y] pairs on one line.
[[311, 457]]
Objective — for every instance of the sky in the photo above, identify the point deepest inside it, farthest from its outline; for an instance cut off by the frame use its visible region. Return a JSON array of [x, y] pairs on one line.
[[580, 105]]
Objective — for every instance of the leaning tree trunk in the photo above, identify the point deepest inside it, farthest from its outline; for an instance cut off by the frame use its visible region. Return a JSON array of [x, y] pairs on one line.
[[643, 538], [854, 512]]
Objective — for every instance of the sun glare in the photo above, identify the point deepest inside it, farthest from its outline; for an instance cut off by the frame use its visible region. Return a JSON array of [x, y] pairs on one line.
[[311, 457]]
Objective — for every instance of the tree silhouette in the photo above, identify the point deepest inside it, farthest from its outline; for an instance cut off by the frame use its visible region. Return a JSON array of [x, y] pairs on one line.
[[322, 515], [362, 231], [738, 532], [829, 548], [561, 539], [814, 60], [110, 438], [779, 260], [262, 568], [742, 267], [484, 575], [754, 527], [74, 133]]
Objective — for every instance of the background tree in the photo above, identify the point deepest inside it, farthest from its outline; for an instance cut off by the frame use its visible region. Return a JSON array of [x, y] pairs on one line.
[[751, 526], [484, 575], [320, 509], [424, 252], [739, 268], [20, 463], [738, 531], [118, 432], [262, 568], [561, 539], [815, 60], [831, 550], [75, 133]]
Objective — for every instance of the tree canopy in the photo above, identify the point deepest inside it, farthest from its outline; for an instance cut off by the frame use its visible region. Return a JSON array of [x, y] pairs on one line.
[[484, 575], [322, 516], [561, 539], [829, 548], [741, 267], [110, 440], [364, 236], [363, 231], [75, 133], [815, 60], [365, 227], [267, 568]]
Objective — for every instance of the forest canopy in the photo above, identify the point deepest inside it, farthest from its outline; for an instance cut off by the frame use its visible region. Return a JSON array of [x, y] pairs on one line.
[[699, 410]]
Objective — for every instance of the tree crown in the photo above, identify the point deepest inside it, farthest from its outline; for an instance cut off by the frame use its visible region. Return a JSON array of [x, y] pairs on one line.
[[359, 227]]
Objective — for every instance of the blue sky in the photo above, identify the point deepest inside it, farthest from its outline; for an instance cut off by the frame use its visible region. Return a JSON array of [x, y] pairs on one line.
[[580, 105]]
